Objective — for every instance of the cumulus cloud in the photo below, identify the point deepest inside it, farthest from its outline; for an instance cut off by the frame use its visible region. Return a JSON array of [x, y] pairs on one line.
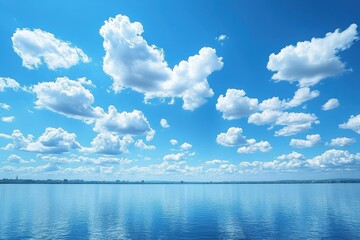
[[143, 146], [185, 146], [16, 159], [124, 123], [233, 137], [353, 123], [173, 142], [301, 95], [310, 62], [342, 141], [133, 63], [291, 156], [292, 122], [253, 146], [330, 104], [235, 104], [36, 47], [173, 157], [216, 162], [67, 97], [53, 140], [6, 82], [8, 119], [311, 140], [334, 158], [107, 143], [164, 123], [5, 106]]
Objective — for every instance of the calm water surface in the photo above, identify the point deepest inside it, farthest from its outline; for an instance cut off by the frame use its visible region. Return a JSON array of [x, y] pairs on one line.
[[274, 211]]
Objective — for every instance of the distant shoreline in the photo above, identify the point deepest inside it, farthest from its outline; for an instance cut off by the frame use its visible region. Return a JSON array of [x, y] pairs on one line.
[[66, 181]]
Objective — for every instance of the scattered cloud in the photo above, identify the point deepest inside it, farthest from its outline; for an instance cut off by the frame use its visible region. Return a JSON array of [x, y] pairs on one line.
[[99, 160], [5, 106], [233, 137], [173, 142], [221, 37], [216, 162], [8, 119], [107, 143], [67, 97], [53, 140], [310, 62], [353, 123], [302, 95], [133, 63], [16, 159], [164, 123], [334, 158], [235, 104], [36, 47], [291, 156], [186, 146], [292, 122], [330, 104], [253, 146], [124, 123], [6, 82], [342, 141], [311, 141], [143, 146], [174, 157]]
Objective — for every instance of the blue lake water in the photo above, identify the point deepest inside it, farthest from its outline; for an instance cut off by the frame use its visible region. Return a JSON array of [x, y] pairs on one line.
[[180, 211]]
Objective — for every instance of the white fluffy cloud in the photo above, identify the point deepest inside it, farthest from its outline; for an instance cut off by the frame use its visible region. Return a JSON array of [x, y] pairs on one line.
[[67, 97], [330, 104], [173, 142], [173, 157], [164, 123], [186, 146], [253, 146], [342, 141], [353, 123], [310, 62], [233, 137], [6, 82], [8, 119], [107, 143], [133, 63], [301, 96], [124, 123], [291, 156], [235, 104], [36, 47], [311, 140], [334, 158], [53, 140], [143, 146], [16, 159], [5, 106], [292, 122]]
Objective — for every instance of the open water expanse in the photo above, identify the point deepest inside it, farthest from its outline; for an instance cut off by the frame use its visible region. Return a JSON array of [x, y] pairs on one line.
[[180, 211]]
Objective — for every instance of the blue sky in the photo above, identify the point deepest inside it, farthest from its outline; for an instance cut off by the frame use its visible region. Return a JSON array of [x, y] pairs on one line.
[[159, 90]]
